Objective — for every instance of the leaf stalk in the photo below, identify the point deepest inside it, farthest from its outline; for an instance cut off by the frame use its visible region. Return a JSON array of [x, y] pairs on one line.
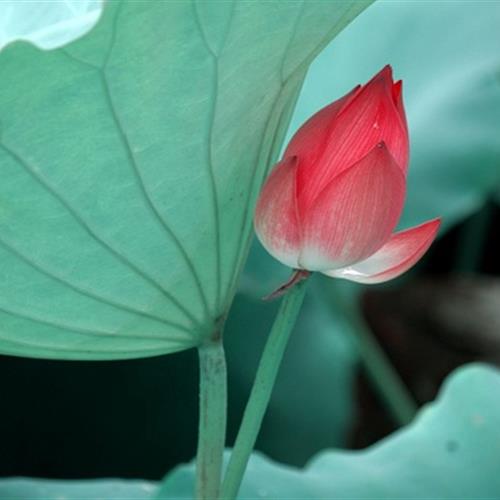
[[212, 419]]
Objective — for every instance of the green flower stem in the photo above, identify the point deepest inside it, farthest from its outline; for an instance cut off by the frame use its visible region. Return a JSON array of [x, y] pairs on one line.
[[212, 423], [262, 388], [384, 377], [382, 374]]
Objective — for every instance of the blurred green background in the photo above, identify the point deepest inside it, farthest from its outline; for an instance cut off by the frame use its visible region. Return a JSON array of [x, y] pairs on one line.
[[139, 418]]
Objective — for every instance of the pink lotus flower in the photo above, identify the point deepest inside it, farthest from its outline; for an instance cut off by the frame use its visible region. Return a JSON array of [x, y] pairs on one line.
[[332, 203]]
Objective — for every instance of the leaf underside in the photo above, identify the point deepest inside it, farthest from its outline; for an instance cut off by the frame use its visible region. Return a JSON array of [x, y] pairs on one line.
[[130, 161]]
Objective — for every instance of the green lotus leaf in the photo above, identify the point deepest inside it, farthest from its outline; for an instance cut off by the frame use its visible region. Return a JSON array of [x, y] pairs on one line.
[[105, 489], [130, 162], [450, 451]]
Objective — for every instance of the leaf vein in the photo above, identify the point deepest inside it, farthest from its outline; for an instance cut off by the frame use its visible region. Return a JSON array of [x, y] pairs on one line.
[[88, 229], [140, 179], [295, 27], [88, 293], [244, 224], [78, 329], [209, 154]]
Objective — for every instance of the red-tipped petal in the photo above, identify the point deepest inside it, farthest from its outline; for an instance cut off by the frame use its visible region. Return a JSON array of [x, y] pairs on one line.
[[368, 118], [397, 94], [396, 91], [384, 75], [400, 253], [309, 141], [355, 214], [276, 222]]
